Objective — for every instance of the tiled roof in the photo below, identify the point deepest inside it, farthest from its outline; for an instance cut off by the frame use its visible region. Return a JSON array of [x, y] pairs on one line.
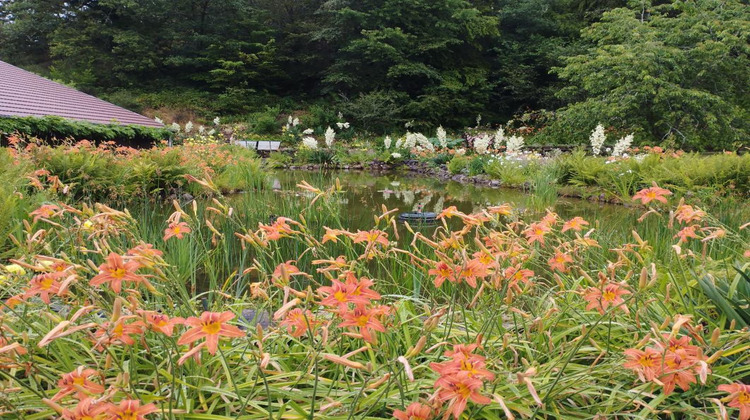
[[24, 94]]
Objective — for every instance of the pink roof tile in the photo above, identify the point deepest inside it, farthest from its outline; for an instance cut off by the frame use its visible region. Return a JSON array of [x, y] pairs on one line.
[[24, 94]]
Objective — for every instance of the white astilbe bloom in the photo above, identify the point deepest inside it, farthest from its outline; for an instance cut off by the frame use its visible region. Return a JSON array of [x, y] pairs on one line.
[[217, 121], [387, 142], [460, 152], [310, 143], [343, 125], [410, 141], [159, 120], [330, 137], [308, 132], [211, 132], [499, 138], [201, 129], [396, 155], [622, 145], [442, 137], [482, 144], [597, 140], [424, 143], [479, 119], [341, 116], [399, 143], [175, 127], [189, 127], [515, 144]]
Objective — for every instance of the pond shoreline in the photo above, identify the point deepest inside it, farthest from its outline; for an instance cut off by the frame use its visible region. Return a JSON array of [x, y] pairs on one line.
[[443, 174]]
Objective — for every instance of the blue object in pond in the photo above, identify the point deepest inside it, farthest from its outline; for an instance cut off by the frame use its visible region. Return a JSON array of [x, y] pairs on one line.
[[418, 217]]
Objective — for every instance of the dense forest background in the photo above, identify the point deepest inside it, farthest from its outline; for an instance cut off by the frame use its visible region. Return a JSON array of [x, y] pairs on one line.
[[675, 72]]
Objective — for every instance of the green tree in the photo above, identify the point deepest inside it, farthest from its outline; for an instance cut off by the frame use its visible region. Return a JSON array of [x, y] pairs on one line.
[[429, 57], [676, 72]]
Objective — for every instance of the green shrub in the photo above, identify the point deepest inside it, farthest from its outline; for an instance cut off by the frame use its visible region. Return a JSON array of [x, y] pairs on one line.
[[476, 165], [266, 122], [317, 156], [279, 160], [510, 173], [441, 158], [319, 117], [49, 128], [458, 164], [354, 156]]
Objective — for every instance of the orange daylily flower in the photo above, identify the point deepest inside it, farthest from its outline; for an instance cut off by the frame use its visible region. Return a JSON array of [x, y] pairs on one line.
[[77, 383], [503, 209], [558, 261], [608, 294], [576, 224], [159, 322], [470, 271], [45, 211], [645, 363], [211, 326], [176, 230], [43, 285], [332, 235], [363, 318], [688, 214], [298, 322], [279, 229], [739, 397], [654, 193], [687, 233], [536, 231], [371, 237], [458, 390], [87, 409], [415, 411], [443, 272], [115, 271], [118, 332], [130, 410]]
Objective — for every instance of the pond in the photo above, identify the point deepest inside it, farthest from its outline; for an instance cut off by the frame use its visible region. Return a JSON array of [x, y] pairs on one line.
[[365, 193]]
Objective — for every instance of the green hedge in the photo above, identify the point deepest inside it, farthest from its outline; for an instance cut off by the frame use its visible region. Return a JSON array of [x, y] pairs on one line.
[[51, 128]]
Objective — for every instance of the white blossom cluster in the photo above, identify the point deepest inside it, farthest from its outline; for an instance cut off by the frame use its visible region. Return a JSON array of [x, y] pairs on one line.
[[387, 142], [310, 143], [622, 145], [189, 127], [291, 122], [514, 144], [499, 138], [423, 143], [330, 137], [597, 140], [442, 137], [482, 144]]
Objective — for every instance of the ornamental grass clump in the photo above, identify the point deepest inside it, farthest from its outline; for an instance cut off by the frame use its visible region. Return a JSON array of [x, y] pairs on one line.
[[531, 317]]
